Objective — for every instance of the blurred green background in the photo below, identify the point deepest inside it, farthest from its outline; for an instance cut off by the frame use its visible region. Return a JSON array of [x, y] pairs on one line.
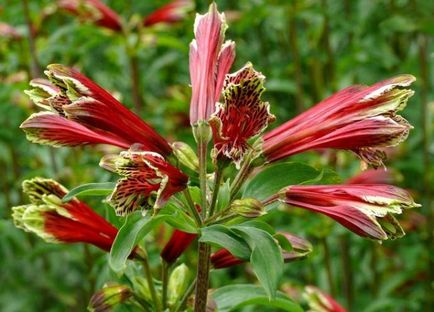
[[307, 49]]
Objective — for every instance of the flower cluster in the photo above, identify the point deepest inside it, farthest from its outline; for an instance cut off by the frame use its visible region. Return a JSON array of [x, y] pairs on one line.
[[228, 108]]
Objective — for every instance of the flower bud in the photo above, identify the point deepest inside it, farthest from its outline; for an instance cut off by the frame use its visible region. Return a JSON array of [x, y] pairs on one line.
[[141, 288], [248, 207], [178, 283], [202, 131], [108, 297], [186, 156]]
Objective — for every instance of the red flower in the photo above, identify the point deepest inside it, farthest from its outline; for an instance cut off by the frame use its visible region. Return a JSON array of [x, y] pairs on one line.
[[242, 115], [148, 180], [59, 222], [359, 118], [210, 61], [170, 13], [300, 248], [320, 301], [177, 244], [93, 11], [81, 112], [365, 209], [372, 176]]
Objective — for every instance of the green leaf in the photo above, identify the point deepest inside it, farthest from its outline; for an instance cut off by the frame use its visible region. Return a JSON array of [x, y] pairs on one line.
[[135, 228], [275, 177], [224, 237], [229, 298], [177, 218], [90, 189], [266, 257]]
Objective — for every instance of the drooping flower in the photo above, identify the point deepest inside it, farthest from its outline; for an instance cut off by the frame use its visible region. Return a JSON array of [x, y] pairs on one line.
[[170, 13], [80, 112], [148, 180], [359, 118], [177, 244], [300, 248], [93, 11], [242, 115], [372, 176], [58, 222], [210, 61], [365, 209], [108, 297], [319, 301]]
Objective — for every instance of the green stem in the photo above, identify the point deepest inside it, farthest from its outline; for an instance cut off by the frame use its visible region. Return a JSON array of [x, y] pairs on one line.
[[217, 182], [241, 176], [185, 297], [150, 280], [202, 147], [192, 207], [165, 280], [203, 266], [347, 272]]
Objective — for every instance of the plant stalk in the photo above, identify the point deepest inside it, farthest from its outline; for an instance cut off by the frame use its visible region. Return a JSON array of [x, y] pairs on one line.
[[192, 207], [150, 280], [202, 147], [241, 176], [165, 280], [217, 182], [203, 266], [185, 297]]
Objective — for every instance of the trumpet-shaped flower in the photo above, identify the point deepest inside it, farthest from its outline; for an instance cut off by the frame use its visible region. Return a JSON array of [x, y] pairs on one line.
[[170, 13], [372, 176], [93, 11], [177, 244], [210, 61], [79, 112], [148, 180], [365, 209], [359, 118], [58, 222], [242, 115]]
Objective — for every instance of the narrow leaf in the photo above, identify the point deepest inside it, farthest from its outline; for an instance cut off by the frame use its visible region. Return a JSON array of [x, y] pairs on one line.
[[90, 189]]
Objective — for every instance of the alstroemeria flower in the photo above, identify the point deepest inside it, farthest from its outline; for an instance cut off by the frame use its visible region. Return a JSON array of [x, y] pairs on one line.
[[372, 176], [365, 209], [148, 180], [170, 13], [242, 115], [93, 11], [177, 244], [210, 61], [359, 118], [319, 301], [300, 248], [58, 222], [80, 112]]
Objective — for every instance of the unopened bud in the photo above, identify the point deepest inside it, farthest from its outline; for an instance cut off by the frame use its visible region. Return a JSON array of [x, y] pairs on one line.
[[178, 283], [108, 297], [202, 132], [141, 288], [186, 156], [247, 207]]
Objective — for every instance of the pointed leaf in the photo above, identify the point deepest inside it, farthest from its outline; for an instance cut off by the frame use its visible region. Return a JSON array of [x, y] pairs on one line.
[[90, 189]]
